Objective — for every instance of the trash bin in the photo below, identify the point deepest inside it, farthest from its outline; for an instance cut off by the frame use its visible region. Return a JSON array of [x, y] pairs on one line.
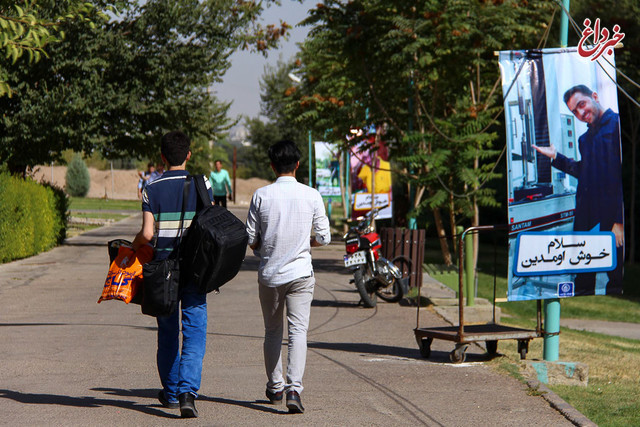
[[409, 244]]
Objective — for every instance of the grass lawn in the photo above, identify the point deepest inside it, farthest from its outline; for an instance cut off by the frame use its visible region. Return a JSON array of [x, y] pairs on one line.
[[611, 398], [101, 215], [87, 204]]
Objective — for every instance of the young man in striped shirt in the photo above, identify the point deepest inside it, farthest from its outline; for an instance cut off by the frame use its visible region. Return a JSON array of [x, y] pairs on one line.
[[180, 371]]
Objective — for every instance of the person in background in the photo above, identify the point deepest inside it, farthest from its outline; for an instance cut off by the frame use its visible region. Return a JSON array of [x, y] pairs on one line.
[[144, 177], [221, 184], [280, 220], [156, 173]]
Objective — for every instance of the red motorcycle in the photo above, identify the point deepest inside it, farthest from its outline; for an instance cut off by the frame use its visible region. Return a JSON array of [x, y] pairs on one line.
[[373, 275]]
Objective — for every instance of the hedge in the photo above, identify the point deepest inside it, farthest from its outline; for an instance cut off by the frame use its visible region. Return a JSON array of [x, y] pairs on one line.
[[33, 217]]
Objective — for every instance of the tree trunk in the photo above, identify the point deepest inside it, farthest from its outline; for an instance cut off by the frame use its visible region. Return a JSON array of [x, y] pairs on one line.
[[442, 236]]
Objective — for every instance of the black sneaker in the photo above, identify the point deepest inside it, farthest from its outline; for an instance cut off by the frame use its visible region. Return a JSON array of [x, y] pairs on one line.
[[294, 404], [164, 402], [188, 406], [275, 397]]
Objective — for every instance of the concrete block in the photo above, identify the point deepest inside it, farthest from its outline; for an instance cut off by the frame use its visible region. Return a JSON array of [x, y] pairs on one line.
[[557, 373]]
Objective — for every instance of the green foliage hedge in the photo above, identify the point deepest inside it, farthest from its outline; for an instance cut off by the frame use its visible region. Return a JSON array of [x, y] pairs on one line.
[[33, 217]]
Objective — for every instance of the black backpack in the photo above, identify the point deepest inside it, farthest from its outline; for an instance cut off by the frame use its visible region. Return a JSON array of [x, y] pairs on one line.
[[215, 245]]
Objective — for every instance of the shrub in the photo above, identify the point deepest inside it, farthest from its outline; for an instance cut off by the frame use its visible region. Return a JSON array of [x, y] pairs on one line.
[[32, 217], [77, 178]]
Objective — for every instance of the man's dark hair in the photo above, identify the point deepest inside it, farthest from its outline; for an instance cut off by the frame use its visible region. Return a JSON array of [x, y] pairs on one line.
[[578, 88], [174, 146], [284, 156], [216, 161]]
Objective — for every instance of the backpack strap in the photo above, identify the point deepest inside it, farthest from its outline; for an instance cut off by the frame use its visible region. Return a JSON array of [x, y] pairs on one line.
[[203, 194]]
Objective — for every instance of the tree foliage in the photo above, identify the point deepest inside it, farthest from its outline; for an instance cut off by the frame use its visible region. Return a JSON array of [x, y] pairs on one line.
[[115, 88], [77, 178], [276, 87], [24, 30], [426, 69]]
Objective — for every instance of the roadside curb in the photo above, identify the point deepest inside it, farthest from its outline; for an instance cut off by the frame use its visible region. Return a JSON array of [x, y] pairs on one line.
[[560, 405]]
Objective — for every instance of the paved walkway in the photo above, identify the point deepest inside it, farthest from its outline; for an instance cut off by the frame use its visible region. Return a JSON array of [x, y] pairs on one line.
[[69, 361]]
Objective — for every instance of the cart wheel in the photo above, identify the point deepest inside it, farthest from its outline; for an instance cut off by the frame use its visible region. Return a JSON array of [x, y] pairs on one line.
[[458, 354], [425, 347], [523, 348], [492, 347]]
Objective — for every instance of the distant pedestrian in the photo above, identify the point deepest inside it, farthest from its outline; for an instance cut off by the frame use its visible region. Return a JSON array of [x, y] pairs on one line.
[[281, 217], [221, 184], [180, 369], [156, 173], [144, 177]]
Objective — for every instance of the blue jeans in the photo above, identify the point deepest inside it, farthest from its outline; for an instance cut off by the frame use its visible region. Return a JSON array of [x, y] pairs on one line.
[[181, 372]]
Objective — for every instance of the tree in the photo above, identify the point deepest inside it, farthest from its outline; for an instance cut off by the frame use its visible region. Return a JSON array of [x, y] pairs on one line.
[[275, 88], [116, 88], [23, 30], [427, 70], [77, 178]]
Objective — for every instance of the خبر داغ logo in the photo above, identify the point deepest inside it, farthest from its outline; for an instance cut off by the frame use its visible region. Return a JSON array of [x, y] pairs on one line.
[[601, 42]]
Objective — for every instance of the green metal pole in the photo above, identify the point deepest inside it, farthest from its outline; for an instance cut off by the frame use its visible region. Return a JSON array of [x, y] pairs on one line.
[[310, 160], [468, 268], [551, 344], [413, 223]]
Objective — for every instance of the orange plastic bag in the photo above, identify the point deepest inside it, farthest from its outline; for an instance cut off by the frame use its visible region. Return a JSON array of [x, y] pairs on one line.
[[124, 279]]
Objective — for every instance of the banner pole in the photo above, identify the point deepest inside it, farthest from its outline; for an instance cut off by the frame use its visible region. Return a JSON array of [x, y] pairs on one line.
[[551, 340], [310, 161]]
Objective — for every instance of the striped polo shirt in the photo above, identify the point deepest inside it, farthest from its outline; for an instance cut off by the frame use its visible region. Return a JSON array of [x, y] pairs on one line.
[[163, 198]]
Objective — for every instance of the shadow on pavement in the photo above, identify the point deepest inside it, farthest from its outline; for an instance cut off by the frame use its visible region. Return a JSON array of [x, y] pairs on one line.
[[87, 401], [255, 405], [334, 303], [382, 350], [385, 350]]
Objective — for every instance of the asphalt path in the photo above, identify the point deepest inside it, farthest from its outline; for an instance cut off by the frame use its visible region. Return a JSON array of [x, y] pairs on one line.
[[67, 360]]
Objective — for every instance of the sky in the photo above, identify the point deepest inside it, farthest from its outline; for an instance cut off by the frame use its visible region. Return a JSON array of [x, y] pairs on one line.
[[241, 83]]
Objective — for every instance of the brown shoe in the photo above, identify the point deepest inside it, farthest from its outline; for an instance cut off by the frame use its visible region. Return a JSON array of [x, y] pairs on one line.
[[275, 397], [294, 403]]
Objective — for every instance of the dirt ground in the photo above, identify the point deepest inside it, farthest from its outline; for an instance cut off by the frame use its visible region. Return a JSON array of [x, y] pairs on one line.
[[123, 184]]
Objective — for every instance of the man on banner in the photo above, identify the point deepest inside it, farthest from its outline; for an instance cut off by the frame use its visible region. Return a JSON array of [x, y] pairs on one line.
[[599, 203]]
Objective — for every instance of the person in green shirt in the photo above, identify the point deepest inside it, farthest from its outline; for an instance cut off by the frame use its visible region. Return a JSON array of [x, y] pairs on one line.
[[220, 183]]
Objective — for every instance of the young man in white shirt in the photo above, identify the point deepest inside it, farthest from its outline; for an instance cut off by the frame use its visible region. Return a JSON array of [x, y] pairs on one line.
[[281, 217]]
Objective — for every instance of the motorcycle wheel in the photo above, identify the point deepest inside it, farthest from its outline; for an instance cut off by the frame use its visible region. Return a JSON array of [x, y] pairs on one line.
[[394, 292], [361, 277]]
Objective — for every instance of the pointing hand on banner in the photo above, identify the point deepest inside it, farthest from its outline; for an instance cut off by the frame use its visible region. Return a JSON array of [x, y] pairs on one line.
[[549, 151]]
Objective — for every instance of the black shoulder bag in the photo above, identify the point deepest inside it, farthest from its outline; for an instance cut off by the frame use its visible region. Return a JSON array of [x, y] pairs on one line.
[[161, 278]]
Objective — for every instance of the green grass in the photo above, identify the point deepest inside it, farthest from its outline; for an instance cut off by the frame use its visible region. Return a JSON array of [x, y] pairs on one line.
[[611, 398], [88, 204], [101, 215]]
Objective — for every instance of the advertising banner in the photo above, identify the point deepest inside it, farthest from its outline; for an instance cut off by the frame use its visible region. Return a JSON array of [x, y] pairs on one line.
[[327, 169], [565, 207], [370, 173]]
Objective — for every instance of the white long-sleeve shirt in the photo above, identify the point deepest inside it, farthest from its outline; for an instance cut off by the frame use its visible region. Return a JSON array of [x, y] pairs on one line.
[[281, 218]]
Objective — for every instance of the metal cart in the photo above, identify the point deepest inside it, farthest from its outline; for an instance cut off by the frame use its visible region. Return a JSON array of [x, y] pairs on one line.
[[463, 335]]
